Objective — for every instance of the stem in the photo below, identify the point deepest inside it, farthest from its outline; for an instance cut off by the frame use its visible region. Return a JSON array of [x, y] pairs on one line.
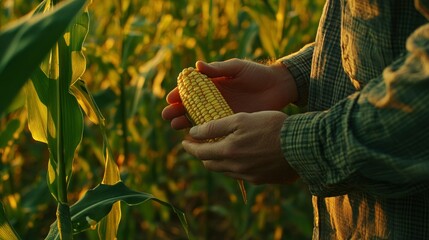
[[63, 211], [123, 82], [61, 168]]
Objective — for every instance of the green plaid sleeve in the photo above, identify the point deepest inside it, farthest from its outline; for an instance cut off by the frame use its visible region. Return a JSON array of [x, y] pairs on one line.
[[299, 65], [375, 140]]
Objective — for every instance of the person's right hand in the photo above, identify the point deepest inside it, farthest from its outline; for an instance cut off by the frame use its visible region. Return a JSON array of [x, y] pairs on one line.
[[247, 87]]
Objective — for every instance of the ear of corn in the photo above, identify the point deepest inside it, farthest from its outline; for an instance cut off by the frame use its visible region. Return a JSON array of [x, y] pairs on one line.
[[203, 102], [201, 98]]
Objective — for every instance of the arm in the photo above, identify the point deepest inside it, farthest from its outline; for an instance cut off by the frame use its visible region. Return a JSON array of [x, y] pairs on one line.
[[376, 140]]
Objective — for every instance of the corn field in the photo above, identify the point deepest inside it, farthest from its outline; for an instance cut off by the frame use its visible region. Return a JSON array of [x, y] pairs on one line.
[[84, 151]]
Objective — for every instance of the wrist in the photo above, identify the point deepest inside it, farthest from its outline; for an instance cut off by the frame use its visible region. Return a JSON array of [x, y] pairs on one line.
[[285, 80]]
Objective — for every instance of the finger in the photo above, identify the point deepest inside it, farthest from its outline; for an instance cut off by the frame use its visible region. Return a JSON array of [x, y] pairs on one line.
[[228, 68], [204, 150], [216, 165], [172, 111], [181, 122], [213, 129], [173, 96]]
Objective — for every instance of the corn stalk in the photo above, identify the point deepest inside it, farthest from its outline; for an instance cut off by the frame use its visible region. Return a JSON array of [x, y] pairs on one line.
[[55, 96], [19, 39], [55, 117]]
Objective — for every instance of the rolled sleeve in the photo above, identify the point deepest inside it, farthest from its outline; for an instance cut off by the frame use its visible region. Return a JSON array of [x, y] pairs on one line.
[[313, 145], [298, 138], [375, 140]]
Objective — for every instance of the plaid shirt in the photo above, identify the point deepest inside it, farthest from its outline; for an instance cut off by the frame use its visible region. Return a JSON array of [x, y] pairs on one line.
[[363, 146]]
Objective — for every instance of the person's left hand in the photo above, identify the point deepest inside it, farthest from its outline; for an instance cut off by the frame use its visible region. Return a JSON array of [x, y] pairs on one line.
[[250, 149]]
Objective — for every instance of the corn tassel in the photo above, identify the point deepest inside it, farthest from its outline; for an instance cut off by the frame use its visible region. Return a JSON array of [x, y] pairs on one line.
[[203, 103]]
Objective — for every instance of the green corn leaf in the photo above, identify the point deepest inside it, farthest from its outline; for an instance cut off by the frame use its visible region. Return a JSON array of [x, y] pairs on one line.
[[97, 203], [86, 102], [36, 102], [6, 230], [77, 33], [25, 43]]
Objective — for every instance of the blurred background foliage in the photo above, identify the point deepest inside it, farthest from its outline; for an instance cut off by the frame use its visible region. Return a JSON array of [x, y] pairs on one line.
[[135, 50]]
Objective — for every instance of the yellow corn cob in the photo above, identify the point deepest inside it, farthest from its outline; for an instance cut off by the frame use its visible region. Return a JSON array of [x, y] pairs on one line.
[[203, 102]]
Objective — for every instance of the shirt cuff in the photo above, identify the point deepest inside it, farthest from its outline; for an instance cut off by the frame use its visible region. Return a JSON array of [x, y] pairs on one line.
[[298, 137], [313, 144], [299, 65]]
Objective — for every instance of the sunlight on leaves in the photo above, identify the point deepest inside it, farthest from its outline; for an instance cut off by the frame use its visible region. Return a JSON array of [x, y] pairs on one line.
[[54, 114], [97, 203], [6, 230], [86, 102], [17, 49], [37, 110], [108, 227]]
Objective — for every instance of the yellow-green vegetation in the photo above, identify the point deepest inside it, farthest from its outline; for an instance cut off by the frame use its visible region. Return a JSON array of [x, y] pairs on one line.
[[121, 57]]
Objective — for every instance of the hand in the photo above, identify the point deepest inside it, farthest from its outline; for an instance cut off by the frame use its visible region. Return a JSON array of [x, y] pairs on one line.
[[247, 87], [250, 149]]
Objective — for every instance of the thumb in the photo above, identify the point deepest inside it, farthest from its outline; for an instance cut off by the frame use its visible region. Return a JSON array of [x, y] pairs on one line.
[[228, 68], [213, 129]]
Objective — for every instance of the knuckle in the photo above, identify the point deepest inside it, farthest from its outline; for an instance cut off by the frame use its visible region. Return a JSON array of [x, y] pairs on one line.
[[235, 60], [240, 116], [239, 119], [209, 128]]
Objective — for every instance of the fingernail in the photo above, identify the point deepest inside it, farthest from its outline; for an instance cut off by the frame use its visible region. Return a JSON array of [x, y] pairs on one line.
[[193, 130]]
